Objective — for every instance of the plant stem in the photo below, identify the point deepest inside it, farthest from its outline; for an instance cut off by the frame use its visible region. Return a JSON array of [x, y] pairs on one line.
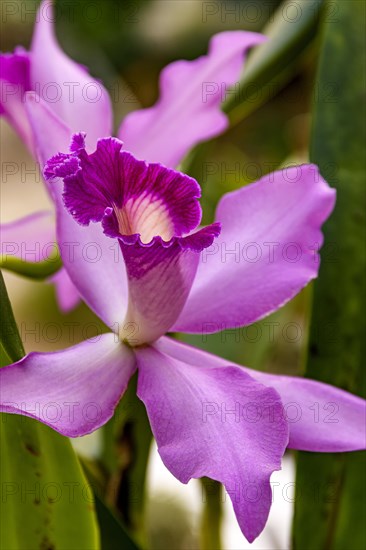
[[211, 520]]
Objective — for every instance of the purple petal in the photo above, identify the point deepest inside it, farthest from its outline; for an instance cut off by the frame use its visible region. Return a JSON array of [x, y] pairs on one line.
[[266, 253], [31, 239], [68, 296], [14, 69], [93, 262], [50, 133], [321, 417], [215, 422], [188, 110], [95, 265], [14, 82], [79, 100], [75, 391]]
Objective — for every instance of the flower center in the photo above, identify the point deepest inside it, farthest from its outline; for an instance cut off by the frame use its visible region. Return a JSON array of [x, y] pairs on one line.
[[146, 215]]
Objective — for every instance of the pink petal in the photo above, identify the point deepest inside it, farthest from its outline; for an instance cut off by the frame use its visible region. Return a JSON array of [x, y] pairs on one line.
[[75, 391], [14, 82], [321, 418], [68, 296], [266, 253], [188, 110], [50, 133], [190, 408], [93, 263], [31, 239], [79, 100]]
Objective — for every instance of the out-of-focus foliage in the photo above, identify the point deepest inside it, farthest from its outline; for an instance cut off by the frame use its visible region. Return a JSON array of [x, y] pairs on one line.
[[33, 270], [126, 444], [289, 33], [169, 525], [212, 515], [330, 506]]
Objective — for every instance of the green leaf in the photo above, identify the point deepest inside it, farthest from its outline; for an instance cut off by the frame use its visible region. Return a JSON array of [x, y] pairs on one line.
[[330, 508], [112, 531], [272, 65], [33, 270], [46, 502], [11, 344]]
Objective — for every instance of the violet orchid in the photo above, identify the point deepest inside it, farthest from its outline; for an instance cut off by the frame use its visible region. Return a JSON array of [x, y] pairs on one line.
[[185, 114], [169, 276]]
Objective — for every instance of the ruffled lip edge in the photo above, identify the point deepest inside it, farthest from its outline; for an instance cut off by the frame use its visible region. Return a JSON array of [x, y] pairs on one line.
[[68, 165], [197, 240]]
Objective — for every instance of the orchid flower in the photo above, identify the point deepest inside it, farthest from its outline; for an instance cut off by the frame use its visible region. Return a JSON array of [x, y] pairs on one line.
[[209, 418], [187, 112]]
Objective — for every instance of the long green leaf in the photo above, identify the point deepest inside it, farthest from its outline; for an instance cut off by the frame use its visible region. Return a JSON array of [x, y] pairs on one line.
[[112, 532], [46, 502], [330, 508], [10, 340], [273, 64]]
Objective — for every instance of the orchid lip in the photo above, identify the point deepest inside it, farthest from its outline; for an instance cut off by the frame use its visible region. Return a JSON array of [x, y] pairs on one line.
[[146, 233], [146, 216], [154, 214]]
